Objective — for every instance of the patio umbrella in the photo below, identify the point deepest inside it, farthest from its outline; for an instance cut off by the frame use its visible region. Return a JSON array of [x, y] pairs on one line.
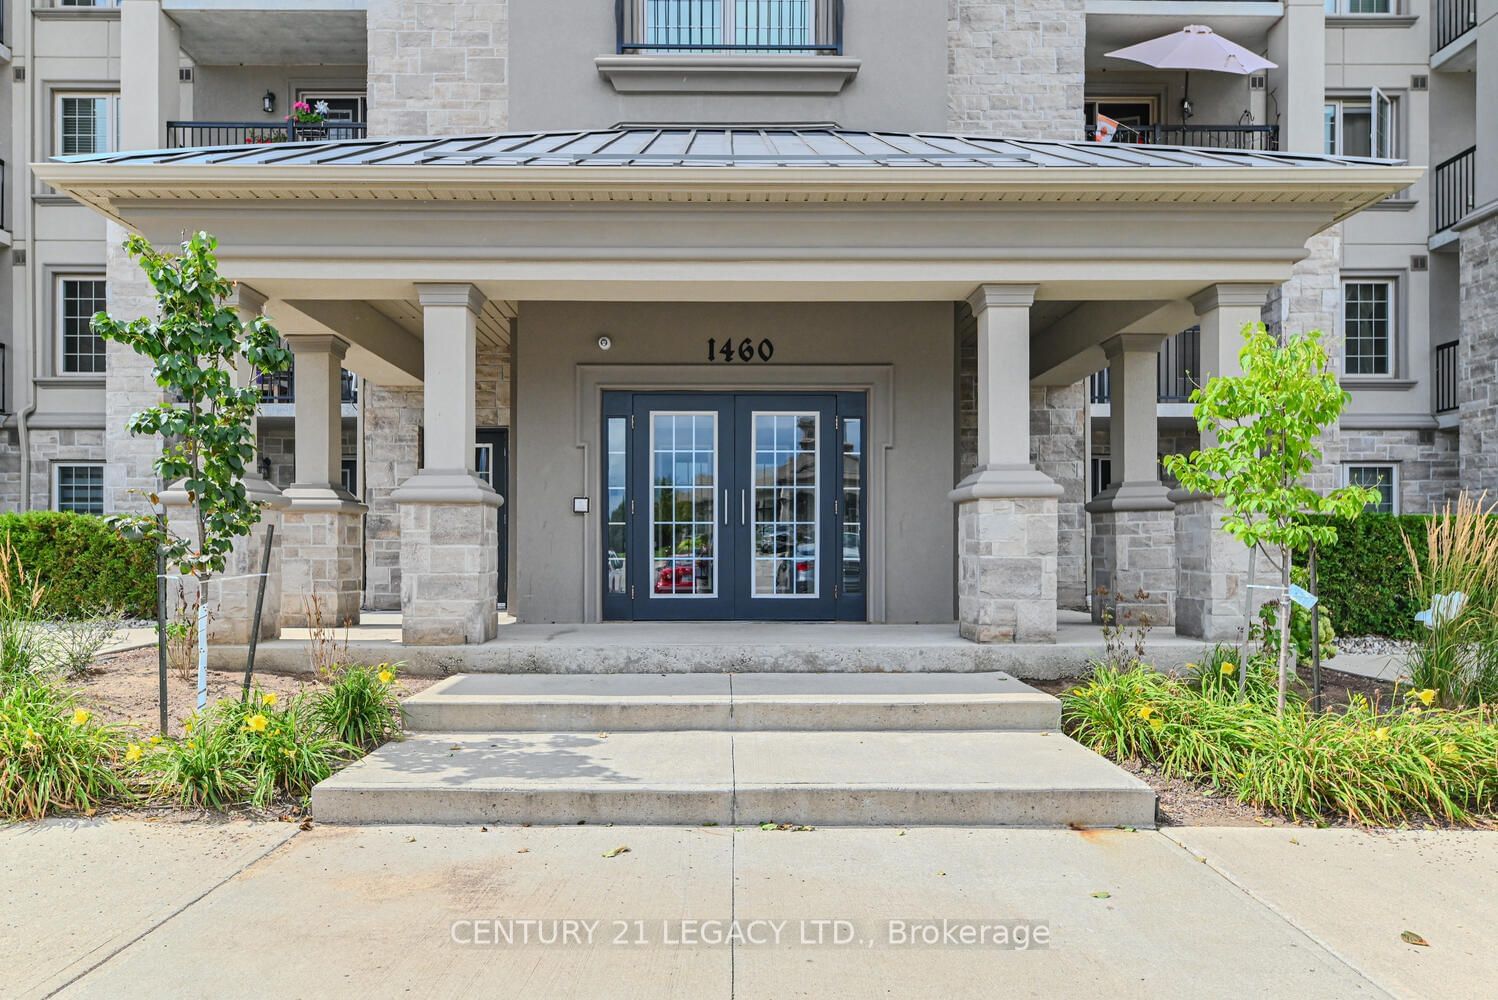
[[1195, 46]]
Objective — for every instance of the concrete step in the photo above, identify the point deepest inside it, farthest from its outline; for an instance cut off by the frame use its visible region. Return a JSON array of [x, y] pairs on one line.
[[760, 701], [725, 777]]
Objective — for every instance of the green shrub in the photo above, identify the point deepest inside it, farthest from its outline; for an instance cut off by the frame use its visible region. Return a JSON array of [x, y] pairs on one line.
[[360, 706], [1366, 579], [53, 755], [1369, 765], [83, 565]]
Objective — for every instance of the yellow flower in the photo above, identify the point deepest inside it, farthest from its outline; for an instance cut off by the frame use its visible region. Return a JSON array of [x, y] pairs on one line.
[[133, 753], [288, 751], [156, 741], [1242, 775], [1227, 668], [187, 726], [256, 723], [1381, 733], [1449, 750], [386, 676], [268, 699], [1427, 696], [81, 715], [1157, 723], [1146, 712]]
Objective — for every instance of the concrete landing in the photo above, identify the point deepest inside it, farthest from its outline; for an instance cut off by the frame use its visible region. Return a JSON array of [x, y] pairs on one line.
[[745, 702], [728, 778], [721, 647]]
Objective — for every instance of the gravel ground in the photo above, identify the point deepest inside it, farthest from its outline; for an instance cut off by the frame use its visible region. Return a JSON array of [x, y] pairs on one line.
[[1374, 644]]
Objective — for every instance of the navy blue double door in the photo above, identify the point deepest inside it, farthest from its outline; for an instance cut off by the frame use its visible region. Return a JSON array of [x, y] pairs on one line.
[[734, 506]]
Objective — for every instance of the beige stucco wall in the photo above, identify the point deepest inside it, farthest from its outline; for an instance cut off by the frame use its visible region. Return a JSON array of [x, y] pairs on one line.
[[902, 47], [554, 444]]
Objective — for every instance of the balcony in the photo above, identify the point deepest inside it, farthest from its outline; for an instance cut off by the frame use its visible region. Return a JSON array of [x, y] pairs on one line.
[[1455, 189], [280, 389], [1178, 363], [1263, 138], [745, 27], [1451, 19], [1446, 399], [185, 135]]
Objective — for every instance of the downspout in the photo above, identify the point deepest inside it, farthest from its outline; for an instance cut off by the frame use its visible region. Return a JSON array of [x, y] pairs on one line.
[[23, 430]]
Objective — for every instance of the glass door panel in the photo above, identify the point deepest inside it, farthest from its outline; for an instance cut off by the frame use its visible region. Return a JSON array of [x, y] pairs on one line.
[[786, 556], [684, 504]]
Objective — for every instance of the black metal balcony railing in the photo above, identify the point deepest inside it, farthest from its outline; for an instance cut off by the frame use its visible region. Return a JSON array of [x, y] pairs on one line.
[[752, 27], [1453, 19], [1446, 377], [1265, 138], [281, 388], [1455, 188], [1177, 368], [183, 135]]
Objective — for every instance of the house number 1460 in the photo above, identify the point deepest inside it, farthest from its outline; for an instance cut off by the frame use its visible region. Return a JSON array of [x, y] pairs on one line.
[[742, 350]]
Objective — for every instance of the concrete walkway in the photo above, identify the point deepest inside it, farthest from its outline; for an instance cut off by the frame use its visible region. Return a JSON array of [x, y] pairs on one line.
[[126, 908]]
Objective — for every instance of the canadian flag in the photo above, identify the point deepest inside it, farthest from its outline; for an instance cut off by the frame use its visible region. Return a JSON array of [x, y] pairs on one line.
[[1105, 129]]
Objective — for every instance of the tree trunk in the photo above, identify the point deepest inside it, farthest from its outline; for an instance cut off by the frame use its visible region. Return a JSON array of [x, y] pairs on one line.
[[1284, 617]]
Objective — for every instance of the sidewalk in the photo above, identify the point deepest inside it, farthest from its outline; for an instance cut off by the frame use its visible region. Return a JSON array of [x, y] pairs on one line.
[[132, 909]]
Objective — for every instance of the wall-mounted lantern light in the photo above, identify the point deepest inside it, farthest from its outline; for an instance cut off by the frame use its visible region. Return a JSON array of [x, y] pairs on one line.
[[268, 102]]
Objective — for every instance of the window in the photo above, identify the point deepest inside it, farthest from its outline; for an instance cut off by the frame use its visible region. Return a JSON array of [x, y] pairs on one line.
[[1361, 126], [79, 351], [1102, 473], [78, 489], [1361, 7], [1379, 477], [87, 123], [1368, 326]]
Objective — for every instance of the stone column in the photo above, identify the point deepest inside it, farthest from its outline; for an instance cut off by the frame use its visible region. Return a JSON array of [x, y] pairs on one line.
[[1006, 509], [449, 518], [1211, 565], [1133, 519], [322, 555]]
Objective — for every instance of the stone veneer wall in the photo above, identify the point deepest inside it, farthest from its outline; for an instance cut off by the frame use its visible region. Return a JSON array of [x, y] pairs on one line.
[[277, 441], [438, 67], [128, 385], [392, 434], [1478, 362], [1058, 428], [1015, 67]]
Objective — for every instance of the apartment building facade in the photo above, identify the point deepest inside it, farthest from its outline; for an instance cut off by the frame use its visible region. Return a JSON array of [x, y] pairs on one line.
[[1404, 289]]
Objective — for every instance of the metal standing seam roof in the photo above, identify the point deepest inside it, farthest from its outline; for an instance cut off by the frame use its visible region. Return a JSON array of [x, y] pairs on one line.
[[719, 146]]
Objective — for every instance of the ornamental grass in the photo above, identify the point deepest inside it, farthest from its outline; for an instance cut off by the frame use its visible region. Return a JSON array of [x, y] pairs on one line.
[[1371, 765]]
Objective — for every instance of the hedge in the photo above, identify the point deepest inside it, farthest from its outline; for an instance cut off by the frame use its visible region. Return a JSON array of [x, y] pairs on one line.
[[83, 564], [1365, 579]]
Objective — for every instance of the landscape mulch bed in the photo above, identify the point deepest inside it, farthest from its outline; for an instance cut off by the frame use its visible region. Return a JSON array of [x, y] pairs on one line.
[[122, 687]]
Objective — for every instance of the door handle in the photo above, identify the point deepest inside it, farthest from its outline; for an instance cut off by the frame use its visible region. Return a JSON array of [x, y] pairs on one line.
[[743, 507], [725, 506]]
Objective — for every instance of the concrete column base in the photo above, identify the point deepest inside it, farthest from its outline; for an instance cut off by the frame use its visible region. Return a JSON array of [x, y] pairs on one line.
[[322, 556], [1006, 569], [1212, 572], [1134, 567], [231, 595], [449, 571]]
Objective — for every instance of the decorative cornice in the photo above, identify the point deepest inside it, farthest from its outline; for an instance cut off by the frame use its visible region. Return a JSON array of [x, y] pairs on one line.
[[727, 74], [1226, 296], [985, 296], [459, 294], [317, 343]]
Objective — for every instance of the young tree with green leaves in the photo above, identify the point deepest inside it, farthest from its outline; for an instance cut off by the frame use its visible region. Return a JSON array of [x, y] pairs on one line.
[[1267, 424], [195, 343]]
